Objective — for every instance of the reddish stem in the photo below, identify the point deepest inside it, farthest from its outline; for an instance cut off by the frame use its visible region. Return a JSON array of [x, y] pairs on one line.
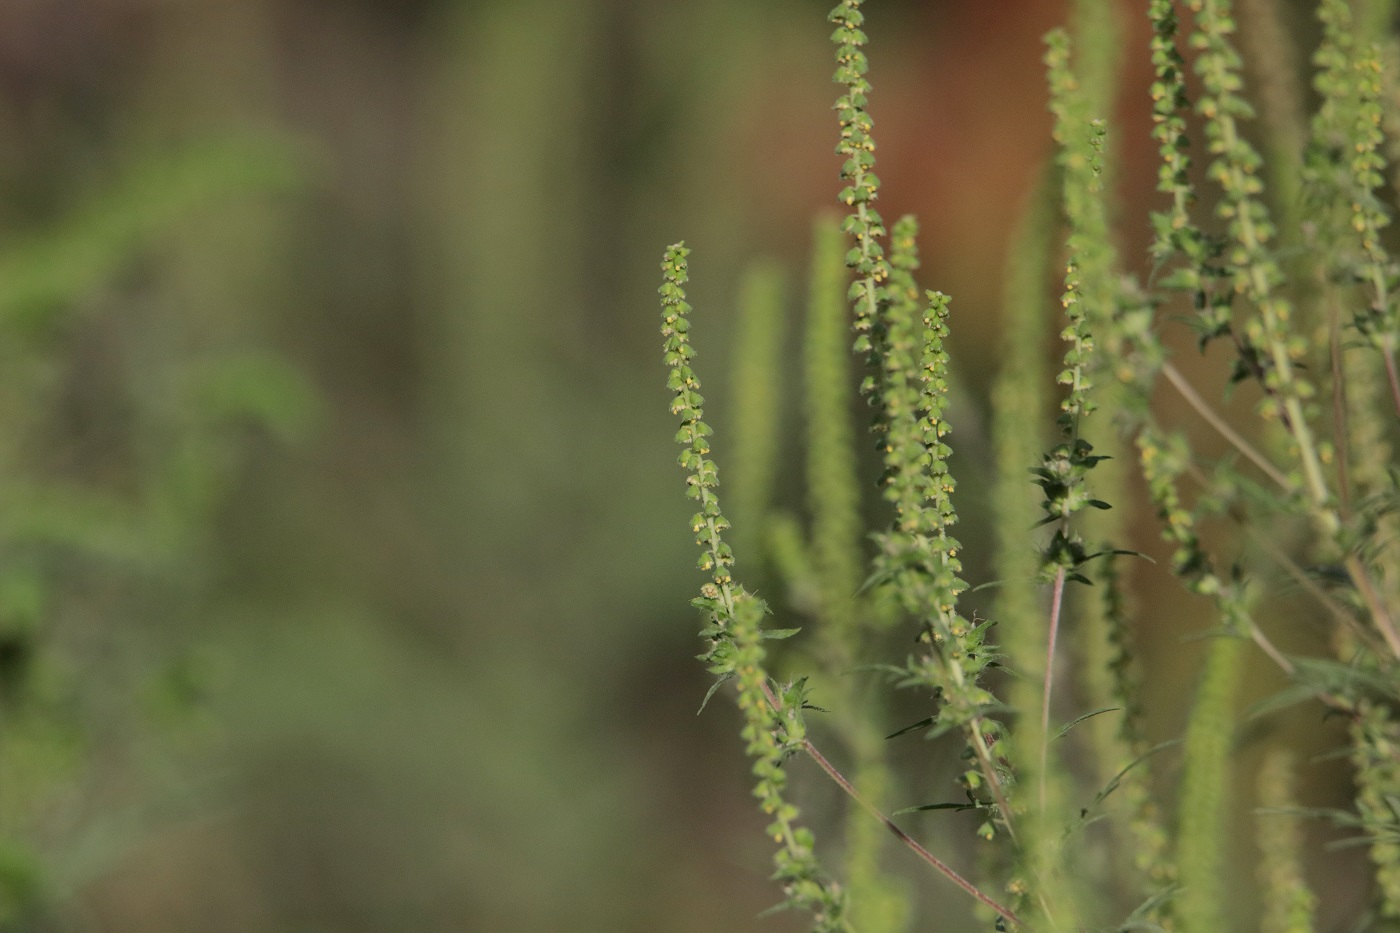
[[938, 864]]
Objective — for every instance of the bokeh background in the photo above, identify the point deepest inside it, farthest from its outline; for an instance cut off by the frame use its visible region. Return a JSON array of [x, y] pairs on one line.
[[344, 568]]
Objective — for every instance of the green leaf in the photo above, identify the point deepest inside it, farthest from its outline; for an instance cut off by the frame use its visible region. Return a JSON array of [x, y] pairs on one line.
[[889, 670], [1120, 552], [1112, 785], [1137, 920], [1335, 677], [775, 909], [1283, 699], [922, 723], [936, 806], [711, 692], [1074, 722]]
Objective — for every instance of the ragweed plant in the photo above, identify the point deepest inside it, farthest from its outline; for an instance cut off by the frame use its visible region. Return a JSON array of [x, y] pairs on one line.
[[773, 727], [1085, 822]]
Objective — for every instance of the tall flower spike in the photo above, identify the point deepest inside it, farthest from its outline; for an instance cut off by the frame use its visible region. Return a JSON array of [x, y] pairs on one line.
[[1090, 294], [1375, 753], [893, 348], [1348, 167], [1175, 233], [864, 225], [1269, 351], [1343, 169], [1290, 907], [834, 487], [1206, 783], [1087, 301], [904, 482], [773, 727], [919, 555], [755, 380], [878, 904], [1169, 105], [940, 512], [1369, 213]]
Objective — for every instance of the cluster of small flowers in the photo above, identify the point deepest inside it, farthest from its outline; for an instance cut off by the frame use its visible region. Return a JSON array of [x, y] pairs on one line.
[[773, 727], [1088, 302], [864, 225], [1345, 160]]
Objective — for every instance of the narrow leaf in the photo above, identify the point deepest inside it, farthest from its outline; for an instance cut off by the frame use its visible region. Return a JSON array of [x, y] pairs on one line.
[[1074, 722], [922, 723], [936, 806], [711, 692]]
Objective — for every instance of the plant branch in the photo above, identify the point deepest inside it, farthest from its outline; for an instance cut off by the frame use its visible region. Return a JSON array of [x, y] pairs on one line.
[[1202, 408], [1290, 567], [1355, 568], [1288, 667], [1300, 576], [912, 844], [1388, 354], [1361, 576], [984, 758], [1339, 406]]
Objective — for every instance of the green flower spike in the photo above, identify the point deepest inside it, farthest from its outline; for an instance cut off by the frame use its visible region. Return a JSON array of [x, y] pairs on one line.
[[773, 727], [857, 146]]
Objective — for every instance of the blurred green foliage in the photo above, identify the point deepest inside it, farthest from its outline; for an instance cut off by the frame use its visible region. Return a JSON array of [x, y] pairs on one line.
[[324, 496]]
